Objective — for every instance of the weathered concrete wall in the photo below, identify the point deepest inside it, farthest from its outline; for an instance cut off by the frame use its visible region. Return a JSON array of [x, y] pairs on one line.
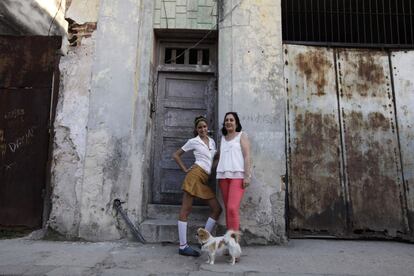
[[82, 11], [71, 127], [251, 83], [185, 14], [113, 150], [70, 138]]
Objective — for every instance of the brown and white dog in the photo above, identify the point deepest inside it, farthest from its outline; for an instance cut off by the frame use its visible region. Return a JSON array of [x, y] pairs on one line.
[[216, 245]]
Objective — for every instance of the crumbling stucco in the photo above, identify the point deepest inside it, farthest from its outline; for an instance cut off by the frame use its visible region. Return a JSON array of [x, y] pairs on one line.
[[70, 138], [115, 99]]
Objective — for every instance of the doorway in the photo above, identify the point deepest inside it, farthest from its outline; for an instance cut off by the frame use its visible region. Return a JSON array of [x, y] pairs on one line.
[[185, 88]]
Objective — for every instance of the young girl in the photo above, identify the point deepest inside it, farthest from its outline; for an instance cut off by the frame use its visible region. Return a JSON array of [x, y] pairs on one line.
[[196, 181]]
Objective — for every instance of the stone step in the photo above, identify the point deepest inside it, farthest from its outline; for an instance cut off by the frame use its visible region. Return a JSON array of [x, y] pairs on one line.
[[158, 211], [165, 230]]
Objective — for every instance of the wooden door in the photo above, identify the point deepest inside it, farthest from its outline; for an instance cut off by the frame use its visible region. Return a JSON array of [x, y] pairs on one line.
[[181, 97]]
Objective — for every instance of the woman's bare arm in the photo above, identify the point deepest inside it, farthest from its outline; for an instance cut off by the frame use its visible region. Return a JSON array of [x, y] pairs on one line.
[[245, 146], [177, 157]]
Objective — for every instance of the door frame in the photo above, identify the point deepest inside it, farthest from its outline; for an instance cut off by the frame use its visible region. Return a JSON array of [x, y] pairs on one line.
[[187, 39]]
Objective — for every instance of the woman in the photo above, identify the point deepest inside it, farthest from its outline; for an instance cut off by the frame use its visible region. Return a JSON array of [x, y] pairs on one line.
[[196, 181], [233, 170]]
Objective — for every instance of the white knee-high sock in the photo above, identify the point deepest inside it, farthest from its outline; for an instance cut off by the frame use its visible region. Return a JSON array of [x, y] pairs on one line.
[[210, 223], [182, 233]]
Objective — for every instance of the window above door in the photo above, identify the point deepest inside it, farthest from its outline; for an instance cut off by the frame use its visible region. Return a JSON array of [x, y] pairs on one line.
[[187, 57]]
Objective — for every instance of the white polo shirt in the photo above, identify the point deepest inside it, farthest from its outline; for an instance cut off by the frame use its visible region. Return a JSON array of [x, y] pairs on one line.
[[203, 154]]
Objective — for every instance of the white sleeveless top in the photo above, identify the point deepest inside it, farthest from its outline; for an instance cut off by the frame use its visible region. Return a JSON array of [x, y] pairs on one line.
[[231, 163]]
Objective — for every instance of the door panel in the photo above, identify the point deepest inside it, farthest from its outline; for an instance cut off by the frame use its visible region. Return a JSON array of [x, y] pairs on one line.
[[316, 196], [27, 65], [181, 97], [403, 68], [372, 159], [345, 174]]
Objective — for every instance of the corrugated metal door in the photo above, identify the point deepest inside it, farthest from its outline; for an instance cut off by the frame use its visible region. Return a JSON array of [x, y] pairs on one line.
[[403, 72], [372, 162], [345, 175], [316, 192], [27, 65]]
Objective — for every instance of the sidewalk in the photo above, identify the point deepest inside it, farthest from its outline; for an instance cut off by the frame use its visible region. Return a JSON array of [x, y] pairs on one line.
[[299, 257]]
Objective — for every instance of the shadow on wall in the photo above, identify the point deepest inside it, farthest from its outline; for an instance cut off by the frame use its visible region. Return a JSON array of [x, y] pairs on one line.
[[30, 17]]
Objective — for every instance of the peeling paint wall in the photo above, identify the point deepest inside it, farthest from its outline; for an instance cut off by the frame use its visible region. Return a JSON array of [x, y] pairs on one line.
[[101, 126], [72, 111], [185, 14], [70, 138], [115, 138], [251, 83]]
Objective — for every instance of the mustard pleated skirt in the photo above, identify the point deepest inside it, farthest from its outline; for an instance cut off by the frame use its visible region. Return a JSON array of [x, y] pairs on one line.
[[196, 183]]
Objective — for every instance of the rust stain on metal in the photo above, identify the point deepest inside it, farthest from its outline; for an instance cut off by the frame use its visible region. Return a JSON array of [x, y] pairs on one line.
[[377, 120], [32, 57], [370, 145], [315, 66], [315, 172], [25, 99], [369, 71], [370, 189]]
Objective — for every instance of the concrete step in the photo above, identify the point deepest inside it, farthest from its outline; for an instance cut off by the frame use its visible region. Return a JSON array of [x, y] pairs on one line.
[[158, 211], [165, 230]]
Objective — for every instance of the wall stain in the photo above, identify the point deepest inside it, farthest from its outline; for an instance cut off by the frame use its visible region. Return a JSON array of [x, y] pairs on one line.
[[369, 71], [315, 65], [374, 193], [314, 162]]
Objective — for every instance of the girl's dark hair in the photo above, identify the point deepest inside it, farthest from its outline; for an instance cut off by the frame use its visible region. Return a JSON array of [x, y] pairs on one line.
[[238, 125], [196, 121]]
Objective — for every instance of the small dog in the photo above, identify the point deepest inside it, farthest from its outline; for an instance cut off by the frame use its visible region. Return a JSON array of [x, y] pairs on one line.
[[216, 245]]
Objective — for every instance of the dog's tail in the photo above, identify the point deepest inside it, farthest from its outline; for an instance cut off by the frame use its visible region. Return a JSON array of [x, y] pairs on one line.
[[231, 234]]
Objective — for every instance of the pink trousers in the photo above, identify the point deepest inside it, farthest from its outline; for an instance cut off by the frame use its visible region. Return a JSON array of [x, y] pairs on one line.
[[232, 191]]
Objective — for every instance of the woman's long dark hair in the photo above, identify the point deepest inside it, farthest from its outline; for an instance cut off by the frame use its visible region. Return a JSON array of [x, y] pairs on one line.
[[196, 121], [238, 125]]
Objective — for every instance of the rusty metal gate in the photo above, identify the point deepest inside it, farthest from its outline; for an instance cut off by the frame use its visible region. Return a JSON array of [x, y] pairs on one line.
[[27, 66], [346, 175]]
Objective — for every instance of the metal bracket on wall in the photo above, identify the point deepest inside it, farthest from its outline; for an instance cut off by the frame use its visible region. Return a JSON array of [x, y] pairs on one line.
[[118, 207]]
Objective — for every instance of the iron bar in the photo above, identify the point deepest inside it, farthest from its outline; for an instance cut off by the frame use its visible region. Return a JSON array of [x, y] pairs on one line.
[[118, 207], [398, 23], [383, 23], [411, 14]]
